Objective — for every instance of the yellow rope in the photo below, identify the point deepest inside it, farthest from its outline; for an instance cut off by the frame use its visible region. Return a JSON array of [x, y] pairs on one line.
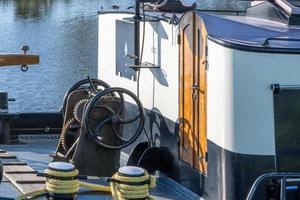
[[54, 185], [121, 187], [94, 187]]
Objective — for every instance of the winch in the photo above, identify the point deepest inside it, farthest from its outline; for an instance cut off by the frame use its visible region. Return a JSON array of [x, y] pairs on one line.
[[74, 101], [98, 123]]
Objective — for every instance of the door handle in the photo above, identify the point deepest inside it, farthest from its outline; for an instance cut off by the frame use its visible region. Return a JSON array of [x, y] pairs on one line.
[[195, 87], [195, 95]]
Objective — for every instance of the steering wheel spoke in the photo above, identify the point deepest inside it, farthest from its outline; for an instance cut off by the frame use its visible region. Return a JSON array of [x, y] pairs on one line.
[[100, 126], [114, 114], [119, 136]]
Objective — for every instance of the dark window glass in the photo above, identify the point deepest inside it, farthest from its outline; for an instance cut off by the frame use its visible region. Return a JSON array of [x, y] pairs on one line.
[[287, 130]]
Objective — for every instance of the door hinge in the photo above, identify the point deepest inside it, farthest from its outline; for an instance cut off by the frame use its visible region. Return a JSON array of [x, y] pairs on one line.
[[178, 39], [206, 157], [205, 62]]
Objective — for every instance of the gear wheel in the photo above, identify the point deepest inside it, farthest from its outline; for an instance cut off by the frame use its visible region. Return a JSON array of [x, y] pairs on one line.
[[78, 109], [65, 130]]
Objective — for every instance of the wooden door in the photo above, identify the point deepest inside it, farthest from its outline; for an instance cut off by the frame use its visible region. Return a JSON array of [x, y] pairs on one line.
[[192, 92]]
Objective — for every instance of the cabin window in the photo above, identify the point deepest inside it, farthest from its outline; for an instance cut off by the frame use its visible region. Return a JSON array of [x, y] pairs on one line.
[[287, 130], [124, 47]]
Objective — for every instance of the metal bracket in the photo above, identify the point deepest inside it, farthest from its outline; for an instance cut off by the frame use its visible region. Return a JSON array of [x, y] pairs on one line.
[[131, 57], [142, 19], [276, 88], [144, 65], [178, 39]]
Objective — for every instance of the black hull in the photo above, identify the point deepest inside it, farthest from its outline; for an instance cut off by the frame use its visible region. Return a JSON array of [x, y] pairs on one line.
[[230, 175]]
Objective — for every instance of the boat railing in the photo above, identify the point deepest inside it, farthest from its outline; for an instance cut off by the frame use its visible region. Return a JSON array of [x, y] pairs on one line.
[[267, 40], [224, 11], [283, 177]]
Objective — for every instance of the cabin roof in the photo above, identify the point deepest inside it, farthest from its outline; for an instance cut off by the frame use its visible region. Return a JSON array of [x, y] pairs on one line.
[[252, 34]]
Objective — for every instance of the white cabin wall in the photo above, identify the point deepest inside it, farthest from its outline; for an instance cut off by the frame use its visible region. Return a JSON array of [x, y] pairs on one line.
[[219, 96], [240, 101], [158, 87]]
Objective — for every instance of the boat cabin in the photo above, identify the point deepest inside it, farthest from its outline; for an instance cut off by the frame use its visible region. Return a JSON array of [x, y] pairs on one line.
[[221, 94], [207, 101]]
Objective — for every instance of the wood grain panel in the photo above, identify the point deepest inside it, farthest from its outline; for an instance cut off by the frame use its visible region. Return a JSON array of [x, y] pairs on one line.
[[33, 182], [23, 177], [186, 105], [201, 135], [13, 168], [7, 155], [18, 59], [193, 92]]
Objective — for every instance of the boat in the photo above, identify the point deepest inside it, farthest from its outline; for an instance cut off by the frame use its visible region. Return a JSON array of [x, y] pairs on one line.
[[204, 101]]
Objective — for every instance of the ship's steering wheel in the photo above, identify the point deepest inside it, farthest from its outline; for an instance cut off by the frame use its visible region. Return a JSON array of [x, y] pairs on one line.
[[91, 84], [115, 118]]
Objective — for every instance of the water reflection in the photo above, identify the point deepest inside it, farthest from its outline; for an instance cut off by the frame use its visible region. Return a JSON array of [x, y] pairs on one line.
[[223, 4], [64, 33], [32, 8]]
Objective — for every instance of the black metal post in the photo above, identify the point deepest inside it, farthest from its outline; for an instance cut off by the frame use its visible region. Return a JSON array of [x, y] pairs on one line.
[[137, 18]]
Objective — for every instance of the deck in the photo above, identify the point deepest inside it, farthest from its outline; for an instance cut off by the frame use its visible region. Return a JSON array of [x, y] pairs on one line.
[[36, 154]]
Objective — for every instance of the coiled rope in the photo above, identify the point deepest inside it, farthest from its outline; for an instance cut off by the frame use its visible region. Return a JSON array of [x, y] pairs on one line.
[[131, 187], [61, 182], [122, 187]]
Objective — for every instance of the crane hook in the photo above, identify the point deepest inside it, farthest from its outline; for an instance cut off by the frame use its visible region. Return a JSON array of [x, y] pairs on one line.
[[24, 68]]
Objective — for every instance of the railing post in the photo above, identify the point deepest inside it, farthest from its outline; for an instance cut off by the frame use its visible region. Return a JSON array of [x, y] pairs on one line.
[[283, 188]]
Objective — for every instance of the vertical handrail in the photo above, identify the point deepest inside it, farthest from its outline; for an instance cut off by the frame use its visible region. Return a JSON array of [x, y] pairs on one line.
[[283, 188]]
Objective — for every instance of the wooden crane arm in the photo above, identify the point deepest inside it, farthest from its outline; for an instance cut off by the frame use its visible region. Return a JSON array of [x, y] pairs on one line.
[[18, 59]]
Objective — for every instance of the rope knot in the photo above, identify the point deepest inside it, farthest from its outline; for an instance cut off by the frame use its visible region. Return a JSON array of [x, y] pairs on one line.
[[152, 181]]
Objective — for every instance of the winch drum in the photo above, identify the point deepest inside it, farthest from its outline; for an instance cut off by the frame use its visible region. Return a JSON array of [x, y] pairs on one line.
[[79, 93], [88, 157], [103, 134], [101, 161]]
